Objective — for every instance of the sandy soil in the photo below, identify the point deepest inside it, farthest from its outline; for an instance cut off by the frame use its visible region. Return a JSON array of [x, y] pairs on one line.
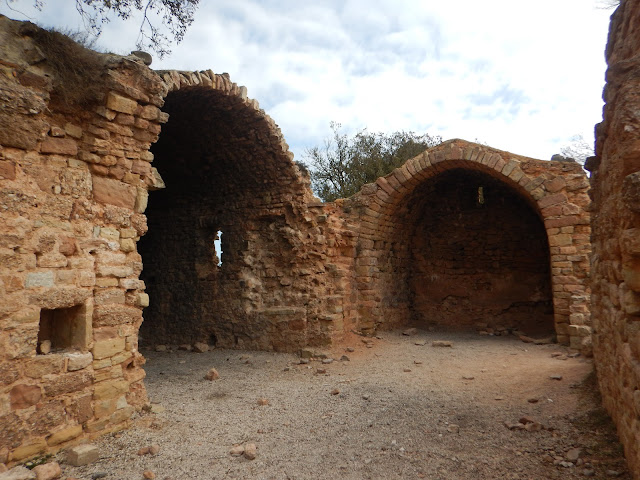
[[400, 408]]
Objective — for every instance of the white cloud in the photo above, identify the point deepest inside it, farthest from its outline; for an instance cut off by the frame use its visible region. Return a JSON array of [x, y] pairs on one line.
[[521, 77]]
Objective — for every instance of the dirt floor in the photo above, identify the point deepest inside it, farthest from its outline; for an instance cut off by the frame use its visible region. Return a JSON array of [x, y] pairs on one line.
[[397, 407]]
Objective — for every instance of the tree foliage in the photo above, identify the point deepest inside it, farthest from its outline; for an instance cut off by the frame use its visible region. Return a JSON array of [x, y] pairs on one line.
[[344, 164], [174, 15]]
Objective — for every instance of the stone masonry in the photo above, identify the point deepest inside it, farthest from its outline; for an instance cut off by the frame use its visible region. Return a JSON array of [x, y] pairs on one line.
[[615, 281], [112, 196]]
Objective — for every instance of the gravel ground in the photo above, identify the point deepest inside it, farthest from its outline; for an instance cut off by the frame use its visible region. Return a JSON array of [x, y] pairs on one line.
[[399, 408]]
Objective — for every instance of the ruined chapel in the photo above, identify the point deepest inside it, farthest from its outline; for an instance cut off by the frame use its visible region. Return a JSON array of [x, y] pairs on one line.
[[116, 181]]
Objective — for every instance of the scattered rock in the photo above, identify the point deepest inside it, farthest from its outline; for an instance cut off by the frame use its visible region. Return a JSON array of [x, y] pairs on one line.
[[212, 375], [98, 475], [344, 358], [533, 427], [250, 451], [365, 397], [533, 400], [335, 391], [556, 354], [514, 426], [45, 347], [498, 397], [185, 347], [237, 450], [525, 339], [573, 454], [327, 361], [161, 348], [613, 473], [453, 428], [566, 464], [406, 370], [417, 362], [588, 472], [321, 371], [410, 332], [263, 401], [82, 455], [420, 343], [556, 377], [157, 408], [148, 474], [304, 361], [543, 341], [200, 347], [442, 343], [468, 377], [18, 473], [351, 349], [154, 449], [143, 451]]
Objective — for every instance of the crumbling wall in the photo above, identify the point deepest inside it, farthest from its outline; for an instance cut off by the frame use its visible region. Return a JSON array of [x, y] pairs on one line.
[[615, 281], [76, 168]]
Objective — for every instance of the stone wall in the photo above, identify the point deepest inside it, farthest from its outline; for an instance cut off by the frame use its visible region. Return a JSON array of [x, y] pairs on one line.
[[615, 182], [115, 182], [533, 224]]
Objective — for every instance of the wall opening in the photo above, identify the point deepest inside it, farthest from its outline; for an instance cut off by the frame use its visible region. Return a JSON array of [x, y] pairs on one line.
[[470, 252], [217, 245], [61, 329]]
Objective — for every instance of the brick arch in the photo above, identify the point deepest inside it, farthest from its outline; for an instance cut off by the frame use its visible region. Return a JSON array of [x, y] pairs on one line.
[[227, 169], [555, 191]]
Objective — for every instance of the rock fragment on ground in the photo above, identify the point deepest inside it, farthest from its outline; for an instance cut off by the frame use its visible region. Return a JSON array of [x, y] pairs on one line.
[[82, 455], [212, 375], [410, 332], [442, 343], [236, 450], [200, 347], [18, 473], [250, 451]]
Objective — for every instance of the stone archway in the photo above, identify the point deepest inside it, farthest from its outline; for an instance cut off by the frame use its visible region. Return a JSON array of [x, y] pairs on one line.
[[551, 197], [227, 170]]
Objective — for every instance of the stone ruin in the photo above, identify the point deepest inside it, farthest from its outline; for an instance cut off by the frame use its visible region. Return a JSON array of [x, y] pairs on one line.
[[136, 168]]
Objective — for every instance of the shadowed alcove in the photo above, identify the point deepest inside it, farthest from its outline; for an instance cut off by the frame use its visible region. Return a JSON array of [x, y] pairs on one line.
[[227, 176], [468, 251]]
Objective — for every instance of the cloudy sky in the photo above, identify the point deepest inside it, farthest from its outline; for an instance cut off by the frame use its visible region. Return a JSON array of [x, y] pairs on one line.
[[519, 76]]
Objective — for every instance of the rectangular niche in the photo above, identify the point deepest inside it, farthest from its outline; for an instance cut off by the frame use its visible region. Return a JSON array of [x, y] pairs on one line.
[[63, 329]]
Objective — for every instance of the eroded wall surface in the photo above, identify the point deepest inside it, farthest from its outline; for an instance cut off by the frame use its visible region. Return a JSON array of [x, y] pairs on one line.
[[615, 184]]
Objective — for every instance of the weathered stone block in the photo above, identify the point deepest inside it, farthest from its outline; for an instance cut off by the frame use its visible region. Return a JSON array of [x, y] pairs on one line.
[[30, 450], [64, 435], [110, 389], [121, 104], [56, 385], [18, 473], [24, 396], [78, 361], [114, 192], [59, 146], [108, 347], [82, 455], [40, 279]]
